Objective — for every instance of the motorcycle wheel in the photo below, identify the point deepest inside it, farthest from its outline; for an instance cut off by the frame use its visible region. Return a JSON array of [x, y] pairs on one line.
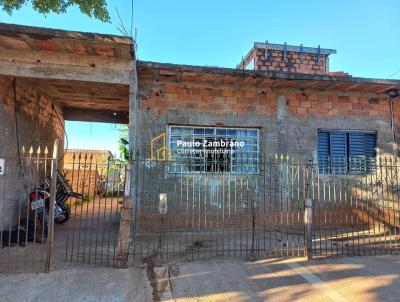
[[61, 214], [43, 218]]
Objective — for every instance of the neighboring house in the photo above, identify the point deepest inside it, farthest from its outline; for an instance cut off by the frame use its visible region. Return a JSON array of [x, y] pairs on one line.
[[86, 169], [87, 159]]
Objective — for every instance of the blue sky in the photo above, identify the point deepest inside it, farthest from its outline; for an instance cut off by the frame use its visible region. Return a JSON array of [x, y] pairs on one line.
[[218, 33]]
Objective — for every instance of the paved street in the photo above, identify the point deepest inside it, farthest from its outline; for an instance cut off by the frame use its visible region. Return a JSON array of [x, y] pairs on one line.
[[365, 279], [373, 278]]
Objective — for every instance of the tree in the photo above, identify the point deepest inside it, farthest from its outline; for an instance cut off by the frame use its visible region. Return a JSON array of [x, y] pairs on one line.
[[92, 8]]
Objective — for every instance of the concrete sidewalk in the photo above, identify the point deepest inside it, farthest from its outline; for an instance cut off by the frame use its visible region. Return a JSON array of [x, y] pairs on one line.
[[77, 284], [369, 278], [372, 278]]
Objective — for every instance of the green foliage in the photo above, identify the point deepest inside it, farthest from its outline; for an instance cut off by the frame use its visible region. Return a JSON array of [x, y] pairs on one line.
[[124, 143], [92, 8]]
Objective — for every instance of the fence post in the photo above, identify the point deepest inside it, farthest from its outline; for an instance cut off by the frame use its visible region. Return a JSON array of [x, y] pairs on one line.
[[308, 227], [53, 185]]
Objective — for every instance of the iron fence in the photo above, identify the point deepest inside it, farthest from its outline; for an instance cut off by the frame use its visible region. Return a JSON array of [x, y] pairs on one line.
[[200, 213], [357, 213], [184, 212], [25, 235], [194, 212]]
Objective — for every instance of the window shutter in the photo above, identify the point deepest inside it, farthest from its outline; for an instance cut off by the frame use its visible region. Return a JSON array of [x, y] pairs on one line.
[[370, 151], [323, 152], [338, 151], [357, 163]]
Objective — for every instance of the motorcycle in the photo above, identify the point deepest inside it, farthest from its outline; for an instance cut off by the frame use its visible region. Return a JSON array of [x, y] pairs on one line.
[[39, 200]]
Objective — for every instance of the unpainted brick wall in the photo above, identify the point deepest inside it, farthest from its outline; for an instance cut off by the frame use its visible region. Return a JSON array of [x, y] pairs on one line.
[[288, 120], [292, 63], [37, 126]]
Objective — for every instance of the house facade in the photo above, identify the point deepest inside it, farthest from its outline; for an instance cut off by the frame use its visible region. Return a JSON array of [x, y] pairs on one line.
[[200, 137]]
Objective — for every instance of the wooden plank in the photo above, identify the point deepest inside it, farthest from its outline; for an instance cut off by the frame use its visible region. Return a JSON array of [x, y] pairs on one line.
[[73, 73], [102, 116], [60, 58]]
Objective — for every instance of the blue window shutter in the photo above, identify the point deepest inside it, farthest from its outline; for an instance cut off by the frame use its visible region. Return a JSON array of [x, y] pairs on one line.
[[357, 152], [338, 151], [370, 151], [356, 144], [323, 151], [370, 145]]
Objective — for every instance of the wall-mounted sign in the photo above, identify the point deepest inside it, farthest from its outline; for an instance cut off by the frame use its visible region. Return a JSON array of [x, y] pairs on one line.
[[163, 206]]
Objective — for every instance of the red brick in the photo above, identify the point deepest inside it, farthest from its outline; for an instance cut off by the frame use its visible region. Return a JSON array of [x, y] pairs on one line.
[[170, 88], [46, 45], [327, 105], [195, 90], [191, 105], [227, 92], [294, 103], [184, 97], [206, 91]]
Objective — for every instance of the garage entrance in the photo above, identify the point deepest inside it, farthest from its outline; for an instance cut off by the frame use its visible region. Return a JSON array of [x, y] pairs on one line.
[[49, 76]]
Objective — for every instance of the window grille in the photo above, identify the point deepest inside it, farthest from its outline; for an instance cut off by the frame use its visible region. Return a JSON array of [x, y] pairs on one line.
[[213, 150]]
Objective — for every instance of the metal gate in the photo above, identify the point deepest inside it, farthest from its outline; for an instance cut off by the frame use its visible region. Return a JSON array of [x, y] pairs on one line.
[[183, 211], [25, 245], [190, 215], [91, 234], [356, 212], [194, 215]]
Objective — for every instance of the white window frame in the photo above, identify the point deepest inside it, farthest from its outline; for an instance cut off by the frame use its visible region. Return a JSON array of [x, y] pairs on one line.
[[255, 154]]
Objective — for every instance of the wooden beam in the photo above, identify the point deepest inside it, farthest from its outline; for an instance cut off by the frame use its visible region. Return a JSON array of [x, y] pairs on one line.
[[352, 87], [388, 88], [102, 116], [61, 58], [63, 72]]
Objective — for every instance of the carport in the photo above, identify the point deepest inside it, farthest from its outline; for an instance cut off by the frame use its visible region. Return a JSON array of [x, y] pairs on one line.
[[78, 76]]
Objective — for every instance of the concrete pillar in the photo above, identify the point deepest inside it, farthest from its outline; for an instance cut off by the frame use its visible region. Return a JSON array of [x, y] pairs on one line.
[[127, 210]]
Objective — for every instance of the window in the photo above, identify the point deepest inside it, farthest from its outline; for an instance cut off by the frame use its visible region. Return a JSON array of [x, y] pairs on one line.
[[341, 152], [213, 150]]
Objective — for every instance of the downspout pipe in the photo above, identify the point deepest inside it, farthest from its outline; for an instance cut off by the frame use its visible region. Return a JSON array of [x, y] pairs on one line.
[[392, 94]]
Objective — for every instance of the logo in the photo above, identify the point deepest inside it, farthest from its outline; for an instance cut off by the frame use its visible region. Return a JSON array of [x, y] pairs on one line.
[[163, 153]]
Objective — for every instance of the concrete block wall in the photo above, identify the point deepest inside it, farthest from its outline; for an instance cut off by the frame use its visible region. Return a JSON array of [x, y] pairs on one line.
[[37, 125]]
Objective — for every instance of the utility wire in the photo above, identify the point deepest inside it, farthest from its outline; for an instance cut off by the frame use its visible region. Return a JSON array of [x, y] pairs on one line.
[[62, 126], [16, 125], [132, 19], [393, 74]]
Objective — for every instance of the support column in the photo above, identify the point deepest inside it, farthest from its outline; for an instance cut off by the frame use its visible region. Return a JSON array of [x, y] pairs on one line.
[[127, 209]]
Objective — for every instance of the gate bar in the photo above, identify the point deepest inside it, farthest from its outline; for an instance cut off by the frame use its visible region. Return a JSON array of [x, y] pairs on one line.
[[53, 190], [308, 227]]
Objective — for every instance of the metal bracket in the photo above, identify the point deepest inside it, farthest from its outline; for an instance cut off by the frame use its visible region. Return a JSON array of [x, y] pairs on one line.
[[266, 51], [284, 51], [301, 53]]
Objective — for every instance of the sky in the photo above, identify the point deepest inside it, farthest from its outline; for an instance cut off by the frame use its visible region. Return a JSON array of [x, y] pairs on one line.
[[365, 34]]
